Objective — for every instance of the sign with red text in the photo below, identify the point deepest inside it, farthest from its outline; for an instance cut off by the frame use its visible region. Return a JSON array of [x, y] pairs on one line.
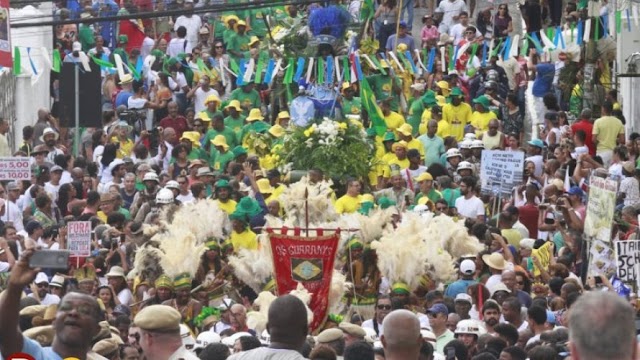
[[307, 261], [79, 238], [15, 169]]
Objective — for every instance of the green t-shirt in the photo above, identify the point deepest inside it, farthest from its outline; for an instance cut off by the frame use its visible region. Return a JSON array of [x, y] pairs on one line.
[[351, 107], [256, 18], [248, 100], [450, 196], [238, 43], [218, 161], [383, 88], [415, 114], [235, 124], [228, 134], [227, 34], [197, 153], [434, 195]]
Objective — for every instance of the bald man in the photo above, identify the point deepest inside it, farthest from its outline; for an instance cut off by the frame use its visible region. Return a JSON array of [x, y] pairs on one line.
[[401, 339], [287, 325]]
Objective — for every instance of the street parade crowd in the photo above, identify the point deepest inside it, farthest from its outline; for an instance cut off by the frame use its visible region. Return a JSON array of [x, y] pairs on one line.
[[312, 182]]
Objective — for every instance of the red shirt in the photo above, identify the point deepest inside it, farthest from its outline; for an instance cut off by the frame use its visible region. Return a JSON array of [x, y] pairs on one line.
[[587, 127], [179, 124], [529, 218]]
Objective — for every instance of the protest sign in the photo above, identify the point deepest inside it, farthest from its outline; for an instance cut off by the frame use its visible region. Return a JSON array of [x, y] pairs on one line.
[[306, 261], [79, 238], [15, 168], [600, 208], [627, 260], [601, 259], [544, 254], [501, 170]]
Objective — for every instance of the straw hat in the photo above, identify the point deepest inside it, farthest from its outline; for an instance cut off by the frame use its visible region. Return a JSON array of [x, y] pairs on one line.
[[494, 261], [254, 115], [276, 130], [220, 140], [405, 129], [234, 104]]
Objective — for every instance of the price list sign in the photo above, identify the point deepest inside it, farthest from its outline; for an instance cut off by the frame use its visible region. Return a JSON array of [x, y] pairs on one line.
[[15, 168]]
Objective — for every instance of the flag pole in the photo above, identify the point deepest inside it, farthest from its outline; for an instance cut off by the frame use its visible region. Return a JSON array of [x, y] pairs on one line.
[[395, 43]]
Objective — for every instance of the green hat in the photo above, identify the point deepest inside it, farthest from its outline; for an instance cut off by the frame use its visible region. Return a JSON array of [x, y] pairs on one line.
[[212, 244], [222, 183], [456, 92], [172, 61], [385, 202], [429, 98], [482, 100], [157, 53], [240, 216], [238, 150], [355, 243], [366, 207], [371, 132], [182, 280], [389, 136], [248, 206], [123, 39], [260, 126], [400, 288]]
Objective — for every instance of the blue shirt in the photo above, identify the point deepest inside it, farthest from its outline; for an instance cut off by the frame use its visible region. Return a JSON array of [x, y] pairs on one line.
[[37, 351], [544, 78], [407, 40], [458, 287], [123, 98]]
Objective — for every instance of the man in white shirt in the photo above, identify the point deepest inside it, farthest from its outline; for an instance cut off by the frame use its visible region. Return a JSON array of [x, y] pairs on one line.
[[450, 10], [7, 260], [4, 144], [191, 22], [148, 43], [534, 150], [42, 284], [53, 185], [200, 93], [11, 212], [457, 31], [469, 205], [185, 196], [179, 44]]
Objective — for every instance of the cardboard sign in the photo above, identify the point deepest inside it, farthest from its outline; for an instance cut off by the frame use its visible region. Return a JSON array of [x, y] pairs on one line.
[[15, 169], [600, 208], [79, 238], [628, 260], [501, 171], [543, 253]]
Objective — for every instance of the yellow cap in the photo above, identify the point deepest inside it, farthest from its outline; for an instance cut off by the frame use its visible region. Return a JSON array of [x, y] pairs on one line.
[[255, 114], [283, 115], [442, 101], [405, 129], [230, 18], [192, 136], [240, 23], [212, 98], [264, 186], [202, 115], [425, 176], [444, 86], [220, 140], [253, 40], [276, 130], [234, 104]]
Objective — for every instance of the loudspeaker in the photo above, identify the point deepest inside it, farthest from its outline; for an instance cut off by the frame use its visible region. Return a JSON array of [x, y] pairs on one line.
[[90, 95]]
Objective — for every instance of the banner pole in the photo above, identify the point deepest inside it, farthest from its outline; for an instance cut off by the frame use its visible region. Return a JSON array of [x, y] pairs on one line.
[[306, 210], [395, 43]]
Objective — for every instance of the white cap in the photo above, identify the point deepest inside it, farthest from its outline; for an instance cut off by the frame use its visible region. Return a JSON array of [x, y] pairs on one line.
[[41, 278], [463, 297], [468, 267], [76, 46]]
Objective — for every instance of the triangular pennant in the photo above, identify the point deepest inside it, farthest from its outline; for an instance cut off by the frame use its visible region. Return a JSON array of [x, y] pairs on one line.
[[57, 62], [330, 64], [269, 72], [101, 62], [299, 69], [321, 70], [45, 55], [259, 69], [17, 61], [310, 70]]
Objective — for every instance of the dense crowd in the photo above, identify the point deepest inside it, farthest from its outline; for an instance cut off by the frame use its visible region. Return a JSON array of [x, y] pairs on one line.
[[196, 158]]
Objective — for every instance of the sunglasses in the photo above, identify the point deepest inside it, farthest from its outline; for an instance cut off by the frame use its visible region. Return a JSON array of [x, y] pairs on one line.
[[43, 285], [384, 307]]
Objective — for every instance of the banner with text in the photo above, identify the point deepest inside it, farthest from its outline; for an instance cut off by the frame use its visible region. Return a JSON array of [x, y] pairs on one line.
[[600, 208], [500, 171], [628, 260], [79, 238], [308, 261], [15, 168]]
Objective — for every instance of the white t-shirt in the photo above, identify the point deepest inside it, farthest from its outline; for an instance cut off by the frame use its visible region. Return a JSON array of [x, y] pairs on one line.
[[369, 324], [199, 98], [470, 208], [52, 189], [13, 214], [49, 299], [539, 162], [185, 199], [65, 178], [180, 81], [4, 266], [125, 296], [414, 174], [177, 46], [457, 32], [193, 25], [449, 9], [263, 353], [493, 280]]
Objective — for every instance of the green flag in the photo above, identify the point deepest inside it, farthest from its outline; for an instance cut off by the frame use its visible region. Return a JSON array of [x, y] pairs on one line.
[[367, 10], [56, 61], [17, 65], [369, 104], [97, 61]]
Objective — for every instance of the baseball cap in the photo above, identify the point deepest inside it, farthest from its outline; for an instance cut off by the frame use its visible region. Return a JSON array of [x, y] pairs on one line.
[[575, 190], [536, 143], [438, 309], [463, 297], [467, 267], [403, 24]]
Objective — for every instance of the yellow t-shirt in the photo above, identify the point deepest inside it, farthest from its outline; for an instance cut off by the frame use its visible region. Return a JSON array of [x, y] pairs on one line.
[[444, 129], [424, 120], [416, 144], [458, 117], [394, 121], [125, 149], [480, 121], [606, 130], [347, 204], [229, 207], [403, 164], [245, 240]]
